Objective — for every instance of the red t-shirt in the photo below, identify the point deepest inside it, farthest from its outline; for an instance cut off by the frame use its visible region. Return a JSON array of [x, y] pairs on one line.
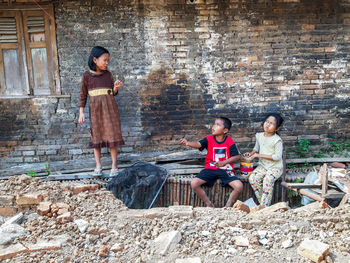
[[218, 151]]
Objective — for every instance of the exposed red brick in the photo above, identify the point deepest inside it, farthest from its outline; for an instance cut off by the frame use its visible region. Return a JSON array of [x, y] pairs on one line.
[[30, 199], [338, 165], [307, 27]]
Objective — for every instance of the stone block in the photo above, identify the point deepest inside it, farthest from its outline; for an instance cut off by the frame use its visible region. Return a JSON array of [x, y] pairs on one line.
[[165, 241], [241, 206], [44, 245], [12, 251], [313, 250]]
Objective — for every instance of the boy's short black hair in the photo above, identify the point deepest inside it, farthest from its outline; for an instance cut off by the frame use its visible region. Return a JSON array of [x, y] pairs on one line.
[[227, 122], [96, 52]]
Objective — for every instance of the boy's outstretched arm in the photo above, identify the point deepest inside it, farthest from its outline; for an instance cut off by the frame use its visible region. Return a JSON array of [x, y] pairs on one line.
[[227, 161], [195, 145]]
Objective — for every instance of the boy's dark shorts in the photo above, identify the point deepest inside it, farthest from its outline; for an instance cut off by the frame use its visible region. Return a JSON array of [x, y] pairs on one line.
[[211, 175]]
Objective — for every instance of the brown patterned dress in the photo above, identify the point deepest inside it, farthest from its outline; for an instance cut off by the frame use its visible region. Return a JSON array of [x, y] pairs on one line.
[[103, 110]]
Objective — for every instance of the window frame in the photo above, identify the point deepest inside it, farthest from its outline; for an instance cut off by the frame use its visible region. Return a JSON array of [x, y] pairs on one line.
[[24, 46]]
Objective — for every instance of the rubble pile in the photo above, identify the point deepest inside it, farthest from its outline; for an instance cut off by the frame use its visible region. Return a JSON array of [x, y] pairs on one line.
[[75, 222]]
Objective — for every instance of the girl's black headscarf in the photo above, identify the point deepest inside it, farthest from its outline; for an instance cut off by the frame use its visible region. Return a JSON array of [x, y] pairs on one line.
[[96, 52]]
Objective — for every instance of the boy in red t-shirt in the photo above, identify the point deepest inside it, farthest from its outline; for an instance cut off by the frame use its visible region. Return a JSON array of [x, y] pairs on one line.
[[222, 153]]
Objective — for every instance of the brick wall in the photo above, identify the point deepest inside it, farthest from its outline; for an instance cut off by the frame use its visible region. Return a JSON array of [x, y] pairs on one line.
[[185, 62]]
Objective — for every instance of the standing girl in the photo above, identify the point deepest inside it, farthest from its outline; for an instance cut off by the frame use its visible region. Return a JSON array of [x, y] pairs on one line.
[[268, 148], [103, 109]]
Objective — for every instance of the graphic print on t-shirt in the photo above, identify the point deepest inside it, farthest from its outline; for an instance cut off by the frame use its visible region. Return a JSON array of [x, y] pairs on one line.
[[220, 154]]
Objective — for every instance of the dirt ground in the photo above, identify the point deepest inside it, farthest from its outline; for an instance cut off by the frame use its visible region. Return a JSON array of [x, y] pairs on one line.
[[115, 233]]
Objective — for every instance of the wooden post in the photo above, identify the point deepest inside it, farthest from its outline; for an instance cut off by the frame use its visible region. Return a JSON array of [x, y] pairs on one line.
[[284, 192], [324, 178]]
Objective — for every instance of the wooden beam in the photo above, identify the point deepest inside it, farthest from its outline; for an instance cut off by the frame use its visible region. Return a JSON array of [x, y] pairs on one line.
[[304, 192]]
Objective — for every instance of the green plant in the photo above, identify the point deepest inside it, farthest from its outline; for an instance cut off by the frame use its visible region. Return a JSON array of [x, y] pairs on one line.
[[319, 155], [336, 147], [31, 173], [303, 148], [346, 145], [305, 166], [47, 168], [291, 165], [294, 198]]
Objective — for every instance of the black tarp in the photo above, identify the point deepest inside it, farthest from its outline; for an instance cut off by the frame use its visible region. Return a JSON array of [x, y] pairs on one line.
[[138, 184]]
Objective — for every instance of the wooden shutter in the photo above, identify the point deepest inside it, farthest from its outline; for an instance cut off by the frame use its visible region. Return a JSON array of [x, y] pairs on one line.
[[13, 74], [36, 35]]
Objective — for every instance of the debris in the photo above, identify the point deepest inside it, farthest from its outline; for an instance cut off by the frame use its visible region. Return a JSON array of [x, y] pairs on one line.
[[12, 251], [17, 219], [287, 243], [188, 260]]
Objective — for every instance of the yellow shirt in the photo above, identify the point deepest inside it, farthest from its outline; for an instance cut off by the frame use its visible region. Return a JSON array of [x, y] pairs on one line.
[[269, 145]]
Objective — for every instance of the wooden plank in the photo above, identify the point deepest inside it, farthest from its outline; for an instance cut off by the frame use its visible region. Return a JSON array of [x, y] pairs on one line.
[[319, 160], [333, 195], [301, 185], [68, 177]]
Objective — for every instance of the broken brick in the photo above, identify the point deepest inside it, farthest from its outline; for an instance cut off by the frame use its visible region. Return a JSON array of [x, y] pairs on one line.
[[30, 199], [104, 250], [44, 208], [84, 187], [65, 218], [241, 206], [7, 211]]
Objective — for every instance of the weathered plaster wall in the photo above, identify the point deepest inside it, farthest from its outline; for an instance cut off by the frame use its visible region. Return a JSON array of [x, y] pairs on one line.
[[183, 63]]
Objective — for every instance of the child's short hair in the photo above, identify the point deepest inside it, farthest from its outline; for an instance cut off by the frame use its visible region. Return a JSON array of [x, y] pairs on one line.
[[227, 122], [96, 52], [277, 116]]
